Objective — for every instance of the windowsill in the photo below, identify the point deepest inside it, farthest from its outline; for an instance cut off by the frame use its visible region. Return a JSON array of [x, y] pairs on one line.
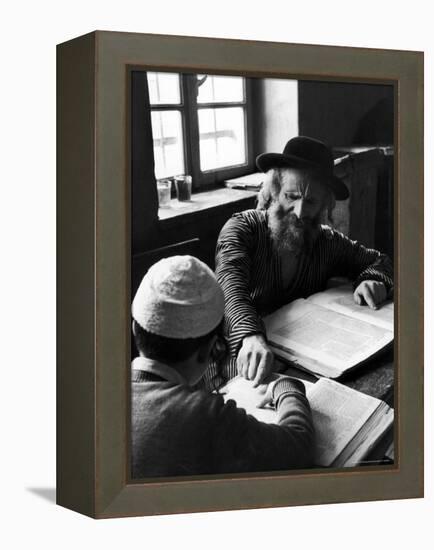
[[203, 202]]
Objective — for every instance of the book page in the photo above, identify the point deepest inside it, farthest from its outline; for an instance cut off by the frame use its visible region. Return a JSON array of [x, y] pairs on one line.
[[338, 415], [341, 300], [326, 336], [247, 397]]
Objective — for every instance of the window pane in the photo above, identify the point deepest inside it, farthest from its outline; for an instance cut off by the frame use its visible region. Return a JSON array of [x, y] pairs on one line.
[[221, 134], [168, 143], [164, 88], [220, 89]]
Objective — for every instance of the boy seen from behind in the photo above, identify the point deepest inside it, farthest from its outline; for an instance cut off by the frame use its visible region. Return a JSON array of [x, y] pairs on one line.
[[178, 430]]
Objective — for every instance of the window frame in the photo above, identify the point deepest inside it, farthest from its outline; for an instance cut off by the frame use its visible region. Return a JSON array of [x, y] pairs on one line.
[[204, 180]]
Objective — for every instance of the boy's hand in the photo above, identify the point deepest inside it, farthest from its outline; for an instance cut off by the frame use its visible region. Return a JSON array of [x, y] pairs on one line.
[[266, 390]]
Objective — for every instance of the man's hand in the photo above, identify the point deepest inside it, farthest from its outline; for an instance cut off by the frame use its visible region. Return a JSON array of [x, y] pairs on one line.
[[255, 359], [371, 293]]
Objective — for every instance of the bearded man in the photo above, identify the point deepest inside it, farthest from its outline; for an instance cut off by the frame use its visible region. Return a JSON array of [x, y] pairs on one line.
[[270, 256]]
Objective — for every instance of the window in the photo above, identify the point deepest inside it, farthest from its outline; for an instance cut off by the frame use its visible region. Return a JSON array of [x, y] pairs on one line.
[[200, 126], [167, 124]]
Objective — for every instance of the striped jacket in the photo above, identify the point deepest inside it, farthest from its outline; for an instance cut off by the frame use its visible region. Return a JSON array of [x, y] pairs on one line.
[[248, 270]]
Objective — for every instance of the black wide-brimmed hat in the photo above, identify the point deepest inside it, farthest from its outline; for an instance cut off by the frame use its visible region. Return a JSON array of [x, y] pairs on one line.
[[306, 152]]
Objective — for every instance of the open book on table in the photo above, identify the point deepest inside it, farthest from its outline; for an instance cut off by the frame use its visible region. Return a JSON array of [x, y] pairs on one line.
[[348, 424], [328, 333]]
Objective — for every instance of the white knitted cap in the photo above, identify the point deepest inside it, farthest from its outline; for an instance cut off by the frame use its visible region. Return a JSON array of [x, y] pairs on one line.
[[179, 297]]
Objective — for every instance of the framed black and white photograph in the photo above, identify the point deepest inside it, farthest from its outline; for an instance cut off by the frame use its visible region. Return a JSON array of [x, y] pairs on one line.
[[248, 293], [239, 166]]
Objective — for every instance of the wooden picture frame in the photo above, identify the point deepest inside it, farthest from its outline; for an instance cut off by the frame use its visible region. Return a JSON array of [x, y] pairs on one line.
[[94, 274]]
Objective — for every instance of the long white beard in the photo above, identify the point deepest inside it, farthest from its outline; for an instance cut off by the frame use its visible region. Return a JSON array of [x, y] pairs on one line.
[[288, 233]]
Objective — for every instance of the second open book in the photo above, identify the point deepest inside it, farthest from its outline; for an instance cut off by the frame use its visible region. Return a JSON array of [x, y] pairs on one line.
[[349, 425], [328, 333]]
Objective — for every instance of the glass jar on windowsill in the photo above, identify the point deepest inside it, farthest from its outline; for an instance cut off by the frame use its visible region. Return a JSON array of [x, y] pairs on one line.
[[183, 188]]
